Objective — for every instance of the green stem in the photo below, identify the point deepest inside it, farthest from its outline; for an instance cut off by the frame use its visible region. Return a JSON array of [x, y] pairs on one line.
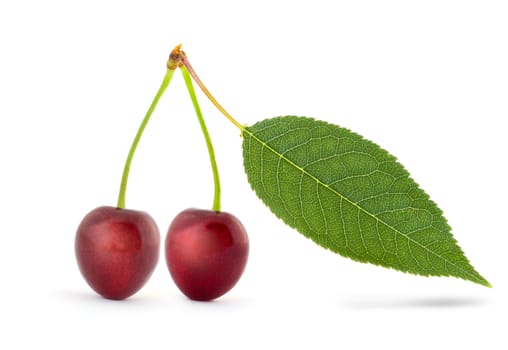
[[126, 169], [216, 180]]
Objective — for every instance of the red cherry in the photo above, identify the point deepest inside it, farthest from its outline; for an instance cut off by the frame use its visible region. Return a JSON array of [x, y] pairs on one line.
[[117, 250], [206, 252]]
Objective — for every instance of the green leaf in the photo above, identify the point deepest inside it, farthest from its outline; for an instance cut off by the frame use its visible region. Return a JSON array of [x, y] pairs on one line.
[[350, 196]]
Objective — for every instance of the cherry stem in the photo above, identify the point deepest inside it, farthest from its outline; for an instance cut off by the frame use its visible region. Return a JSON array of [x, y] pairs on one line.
[[185, 62], [172, 64], [209, 145]]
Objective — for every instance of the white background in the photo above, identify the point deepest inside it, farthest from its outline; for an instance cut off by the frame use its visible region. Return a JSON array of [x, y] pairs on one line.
[[426, 80]]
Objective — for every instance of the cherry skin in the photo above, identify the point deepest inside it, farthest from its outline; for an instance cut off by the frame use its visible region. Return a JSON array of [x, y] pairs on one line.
[[117, 250], [206, 252]]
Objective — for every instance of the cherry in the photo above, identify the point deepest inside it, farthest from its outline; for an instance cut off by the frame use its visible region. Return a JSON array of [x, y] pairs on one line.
[[206, 252], [117, 250]]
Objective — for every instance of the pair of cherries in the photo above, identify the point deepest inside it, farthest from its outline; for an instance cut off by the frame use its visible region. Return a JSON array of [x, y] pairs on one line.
[[117, 249]]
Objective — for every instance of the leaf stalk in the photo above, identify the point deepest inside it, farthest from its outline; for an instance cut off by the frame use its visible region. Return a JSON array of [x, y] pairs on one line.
[[185, 62]]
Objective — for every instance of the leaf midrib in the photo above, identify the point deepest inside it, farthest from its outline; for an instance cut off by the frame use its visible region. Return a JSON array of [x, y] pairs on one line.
[[321, 183]]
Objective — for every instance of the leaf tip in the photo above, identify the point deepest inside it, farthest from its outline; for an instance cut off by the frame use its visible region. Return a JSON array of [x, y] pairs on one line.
[[487, 284], [479, 279]]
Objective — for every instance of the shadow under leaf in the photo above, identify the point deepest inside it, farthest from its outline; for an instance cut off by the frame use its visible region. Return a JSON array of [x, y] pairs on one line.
[[408, 302]]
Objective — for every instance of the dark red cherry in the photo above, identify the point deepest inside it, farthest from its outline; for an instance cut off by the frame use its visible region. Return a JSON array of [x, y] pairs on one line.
[[206, 252], [117, 250]]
